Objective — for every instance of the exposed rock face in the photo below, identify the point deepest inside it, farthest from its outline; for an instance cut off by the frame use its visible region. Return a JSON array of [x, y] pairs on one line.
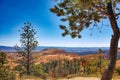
[[48, 55], [52, 51]]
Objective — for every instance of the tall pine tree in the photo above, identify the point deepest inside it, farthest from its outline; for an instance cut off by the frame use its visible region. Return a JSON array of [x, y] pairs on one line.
[[28, 44]]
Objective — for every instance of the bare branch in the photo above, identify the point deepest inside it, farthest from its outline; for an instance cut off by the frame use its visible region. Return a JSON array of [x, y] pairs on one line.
[[119, 33], [117, 14]]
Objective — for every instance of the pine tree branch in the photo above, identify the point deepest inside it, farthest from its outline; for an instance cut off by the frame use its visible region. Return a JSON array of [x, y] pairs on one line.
[[101, 10]]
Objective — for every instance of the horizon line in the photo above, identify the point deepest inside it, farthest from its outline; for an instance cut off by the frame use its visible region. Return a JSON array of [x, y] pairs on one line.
[[58, 46]]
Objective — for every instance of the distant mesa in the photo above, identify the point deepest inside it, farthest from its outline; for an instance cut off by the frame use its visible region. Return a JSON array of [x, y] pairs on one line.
[[55, 51], [47, 55], [52, 51]]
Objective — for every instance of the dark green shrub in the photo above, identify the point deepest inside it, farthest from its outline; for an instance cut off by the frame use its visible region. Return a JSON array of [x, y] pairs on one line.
[[21, 70], [6, 73], [44, 76], [3, 58], [37, 70], [118, 70]]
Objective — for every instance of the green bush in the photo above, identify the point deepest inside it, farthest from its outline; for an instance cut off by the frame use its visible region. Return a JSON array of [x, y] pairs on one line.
[[6, 73], [44, 76], [118, 70], [21, 70], [37, 70], [3, 58]]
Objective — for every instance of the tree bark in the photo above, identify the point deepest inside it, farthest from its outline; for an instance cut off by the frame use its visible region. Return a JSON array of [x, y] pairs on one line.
[[109, 71], [28, 55]]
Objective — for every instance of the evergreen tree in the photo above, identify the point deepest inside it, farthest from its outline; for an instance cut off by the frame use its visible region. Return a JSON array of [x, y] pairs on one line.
[[3, 58], [28, 44], [80, 14], [6, 73]]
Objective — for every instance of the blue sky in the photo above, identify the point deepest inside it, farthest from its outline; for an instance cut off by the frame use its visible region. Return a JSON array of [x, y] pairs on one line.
[[13, 13]]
